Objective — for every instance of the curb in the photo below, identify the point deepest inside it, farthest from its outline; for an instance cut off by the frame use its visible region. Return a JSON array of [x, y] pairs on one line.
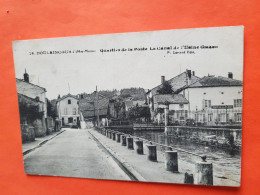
[[133, 174], [41, 143]]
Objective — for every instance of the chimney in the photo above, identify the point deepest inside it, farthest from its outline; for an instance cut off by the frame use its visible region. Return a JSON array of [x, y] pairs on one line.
[[26, 77], [189, 73], [230, 75], [162, 79], [193, 73]]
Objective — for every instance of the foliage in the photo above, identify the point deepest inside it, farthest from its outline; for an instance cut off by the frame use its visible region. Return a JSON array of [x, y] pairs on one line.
[[166, 88], [137, 112], [51, 110], [120, 108], [29, 113]]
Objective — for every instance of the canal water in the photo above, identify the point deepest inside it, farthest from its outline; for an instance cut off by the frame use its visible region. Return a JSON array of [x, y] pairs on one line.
[[226, 163]]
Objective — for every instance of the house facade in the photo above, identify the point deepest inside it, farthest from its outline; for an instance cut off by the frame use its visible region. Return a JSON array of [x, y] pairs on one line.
[[26, 88], [215, 100], [176, 106], [68, 110], [32, 105], [177, 83], [94, 107]]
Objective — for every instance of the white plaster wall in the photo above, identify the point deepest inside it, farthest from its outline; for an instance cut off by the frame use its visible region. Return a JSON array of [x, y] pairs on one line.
[[196, 96]]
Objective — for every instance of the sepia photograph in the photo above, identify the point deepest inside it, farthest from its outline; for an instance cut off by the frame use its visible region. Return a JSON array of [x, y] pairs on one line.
[[157, 106]]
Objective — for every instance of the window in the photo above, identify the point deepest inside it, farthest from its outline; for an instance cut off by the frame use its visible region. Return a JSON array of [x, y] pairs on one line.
[[69, 101], [65, 111], [206, 103], [210, 116], [186, 113], [181, 105], [237, 102], [74, 110], [238, 117]]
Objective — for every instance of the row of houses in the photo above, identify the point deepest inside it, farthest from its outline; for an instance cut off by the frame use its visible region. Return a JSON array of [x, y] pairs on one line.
[[210, 100], [87, 110]]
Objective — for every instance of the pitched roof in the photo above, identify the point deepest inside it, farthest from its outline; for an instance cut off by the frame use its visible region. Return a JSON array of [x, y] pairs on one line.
[[29, 98], [170, 98], [88, 107], [27, 83], [177, 82], [65, 96], [212, 81]]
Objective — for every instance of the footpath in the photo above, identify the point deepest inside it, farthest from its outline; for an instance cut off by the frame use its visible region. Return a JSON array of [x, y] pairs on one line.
[[39, 141], [145, 170]]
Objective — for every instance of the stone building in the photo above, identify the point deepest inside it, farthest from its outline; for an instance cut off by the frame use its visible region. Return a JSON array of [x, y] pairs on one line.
[[177, 83], [93, 106], [68, 110], [32, 106], [215, 100]]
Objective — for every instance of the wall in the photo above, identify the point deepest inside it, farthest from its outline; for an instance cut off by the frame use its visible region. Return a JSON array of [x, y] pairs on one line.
[[32, 92], [70, 112], [196, 95], [37, 19]]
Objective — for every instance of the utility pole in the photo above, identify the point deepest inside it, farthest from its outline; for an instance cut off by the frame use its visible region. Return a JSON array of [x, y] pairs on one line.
[[97, 107]]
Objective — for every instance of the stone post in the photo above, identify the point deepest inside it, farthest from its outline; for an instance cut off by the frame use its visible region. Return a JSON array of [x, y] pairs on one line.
[[123, 140], [171, 161], [204, 173], [152, 154], [140, 148], [114, 135], [118, 137], [130, 144]]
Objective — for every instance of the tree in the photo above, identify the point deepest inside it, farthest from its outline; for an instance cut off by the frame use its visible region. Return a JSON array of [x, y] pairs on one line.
[[166, 88], [51, 110], [137, 112]]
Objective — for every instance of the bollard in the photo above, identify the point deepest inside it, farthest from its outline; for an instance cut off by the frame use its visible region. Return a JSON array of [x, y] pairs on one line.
[[114, 135], [139, 145], [109, 134], [152, 155], [130, 144], [204, 173], [171, 161], [123, 140], [118, 137], [188, 178]]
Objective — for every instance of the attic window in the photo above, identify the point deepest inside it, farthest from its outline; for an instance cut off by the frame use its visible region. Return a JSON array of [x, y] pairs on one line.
[[204, 93], [69, 101], [222, 92]]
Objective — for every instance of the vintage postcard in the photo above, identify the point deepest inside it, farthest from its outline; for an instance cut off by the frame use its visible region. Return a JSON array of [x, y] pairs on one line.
[[159, 106]]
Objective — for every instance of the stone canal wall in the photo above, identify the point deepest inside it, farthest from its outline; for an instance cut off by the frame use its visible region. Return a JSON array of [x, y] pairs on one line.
[[222, 136]]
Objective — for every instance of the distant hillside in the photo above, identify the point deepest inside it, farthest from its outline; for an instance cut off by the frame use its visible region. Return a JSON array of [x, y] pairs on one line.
[[134, 93], [126, 93]]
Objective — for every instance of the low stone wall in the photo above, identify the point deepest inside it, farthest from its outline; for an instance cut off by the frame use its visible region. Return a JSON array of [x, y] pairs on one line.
[[220, 135], [50, 125], [39, 128], [28, 133]]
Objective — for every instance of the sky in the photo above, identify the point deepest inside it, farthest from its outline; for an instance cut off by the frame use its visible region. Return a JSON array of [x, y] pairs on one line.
[[79, 72]]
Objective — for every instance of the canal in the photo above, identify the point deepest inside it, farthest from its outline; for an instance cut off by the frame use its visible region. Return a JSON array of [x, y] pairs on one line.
[[226, 162]]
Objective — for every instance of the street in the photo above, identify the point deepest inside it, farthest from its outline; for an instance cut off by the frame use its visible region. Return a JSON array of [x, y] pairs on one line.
[[74, 153]]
